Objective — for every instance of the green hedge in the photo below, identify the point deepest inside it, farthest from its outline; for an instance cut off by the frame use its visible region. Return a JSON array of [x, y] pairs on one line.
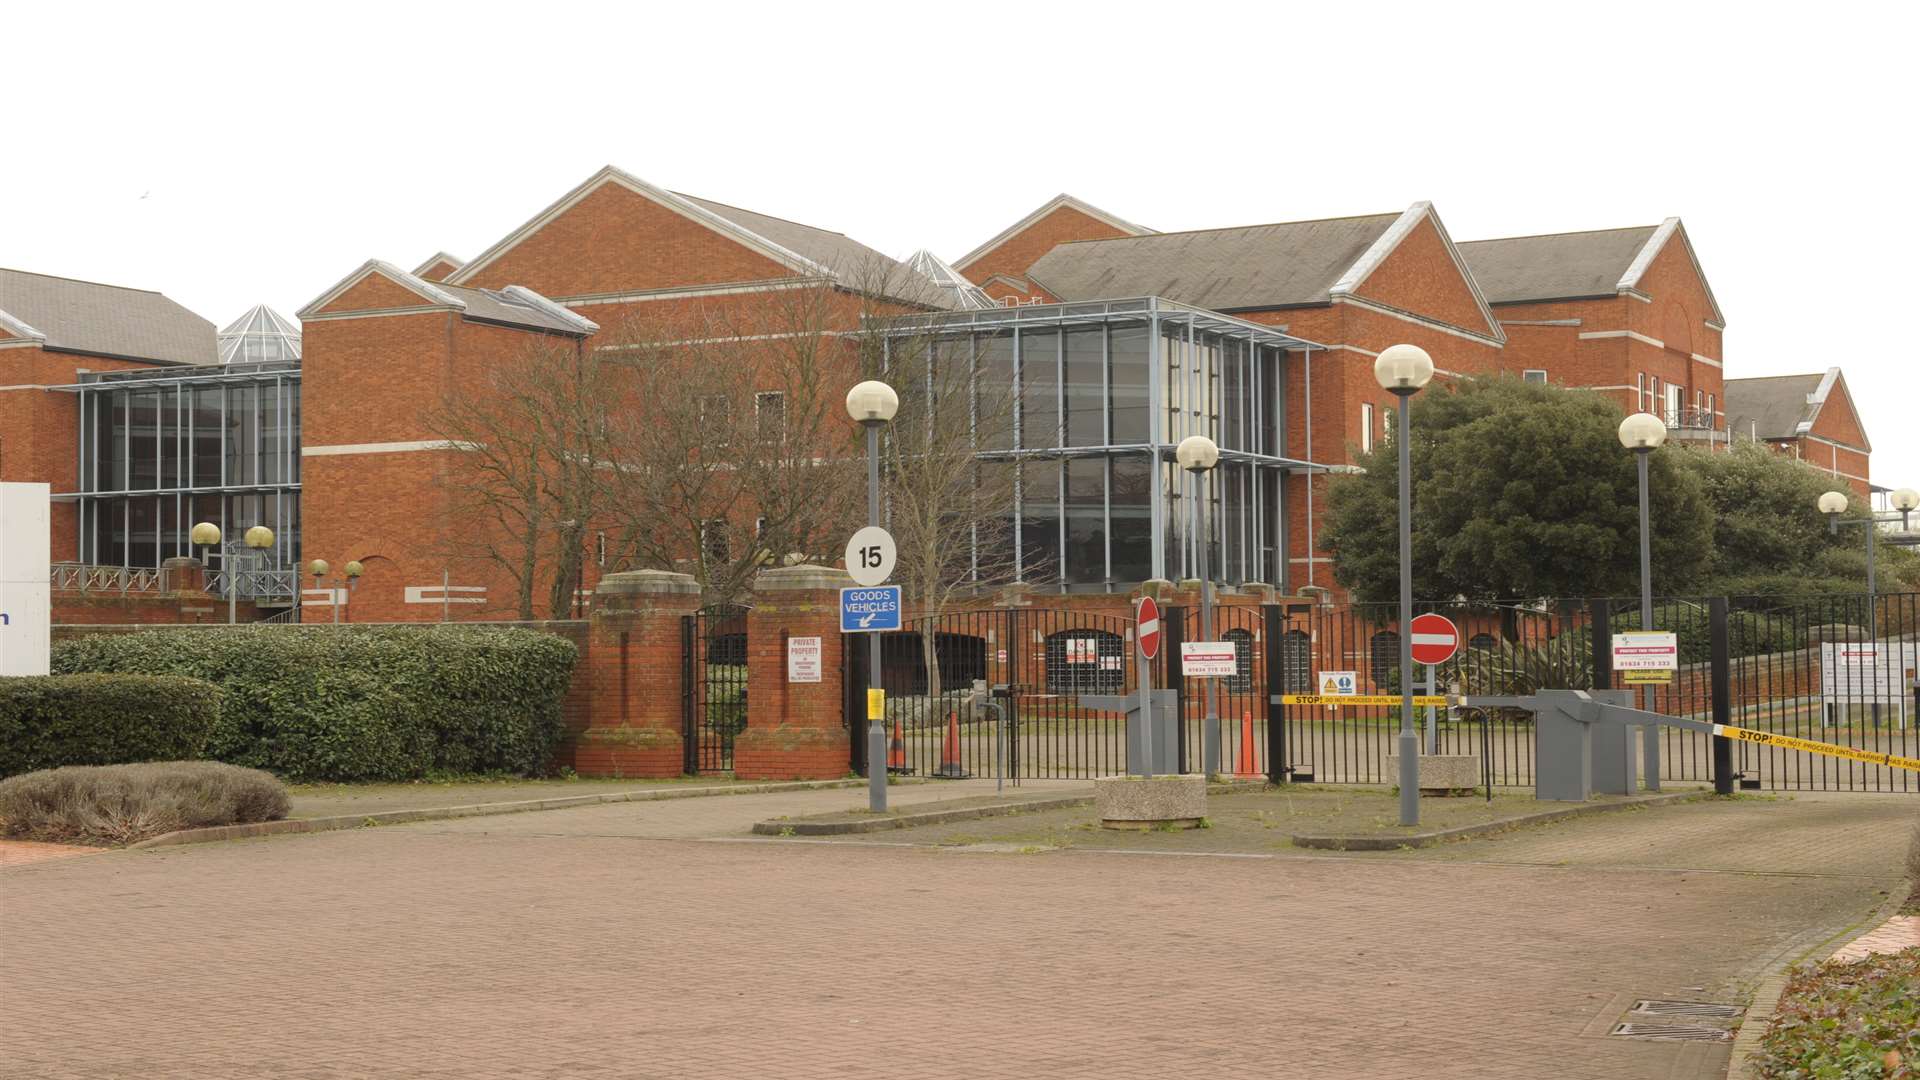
[[361, 703], [47, 721]]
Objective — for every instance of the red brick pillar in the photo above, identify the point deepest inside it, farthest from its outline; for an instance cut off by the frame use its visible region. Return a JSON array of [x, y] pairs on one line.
[[634, 645], [795, 730]]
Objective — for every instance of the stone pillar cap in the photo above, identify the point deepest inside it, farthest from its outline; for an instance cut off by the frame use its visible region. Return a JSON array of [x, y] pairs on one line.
[[802, 577], [647, 582]]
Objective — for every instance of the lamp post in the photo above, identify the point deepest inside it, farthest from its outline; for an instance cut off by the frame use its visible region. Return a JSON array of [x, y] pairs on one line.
[[1906, 500], [1643, 433], [206, 536], [872, 404], [318, 568], [258, 539], [1833, 504], [1198, 455], [354, 570], [1402, 370]]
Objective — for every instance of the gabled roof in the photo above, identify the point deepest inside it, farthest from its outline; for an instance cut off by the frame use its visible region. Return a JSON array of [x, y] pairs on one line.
[[1284, 264], [1574, 265], [1784, 406], [103, 320], [437, 259], [1559, 266], [802, 249], [844, 257], [956, 291], [1048, 207], [261, 334], [512, 306]]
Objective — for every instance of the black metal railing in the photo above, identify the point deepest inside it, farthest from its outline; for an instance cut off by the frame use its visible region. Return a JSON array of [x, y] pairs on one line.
[[713, 650]]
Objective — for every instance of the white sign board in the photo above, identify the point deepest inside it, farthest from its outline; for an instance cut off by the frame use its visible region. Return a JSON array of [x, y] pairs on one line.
[[871, 555], [1646, 650], [1868, 673], [803, 659], [1339, 683], [26, 569], [1208, 659]]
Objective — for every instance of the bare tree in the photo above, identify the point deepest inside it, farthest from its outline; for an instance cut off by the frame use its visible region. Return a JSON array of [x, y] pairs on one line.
[[949, 508], [533, 431], [734, 456]]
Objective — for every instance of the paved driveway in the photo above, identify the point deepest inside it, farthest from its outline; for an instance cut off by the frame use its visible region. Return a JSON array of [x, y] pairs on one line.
[[572, 944]]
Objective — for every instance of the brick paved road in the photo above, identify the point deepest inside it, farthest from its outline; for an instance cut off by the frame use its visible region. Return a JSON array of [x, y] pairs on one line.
[[552, 945]]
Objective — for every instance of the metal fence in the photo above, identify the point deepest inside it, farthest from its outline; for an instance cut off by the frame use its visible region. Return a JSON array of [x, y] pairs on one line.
[[713, 651], [1826, 668]]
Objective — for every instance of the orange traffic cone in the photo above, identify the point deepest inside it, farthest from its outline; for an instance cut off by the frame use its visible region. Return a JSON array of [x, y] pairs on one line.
[[897, 751], [1246, 768], [950, 753]]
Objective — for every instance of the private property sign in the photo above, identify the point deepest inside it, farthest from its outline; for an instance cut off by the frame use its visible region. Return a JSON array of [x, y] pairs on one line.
[[26, 592], [1646, 656], [803, 659], [1208, 659]]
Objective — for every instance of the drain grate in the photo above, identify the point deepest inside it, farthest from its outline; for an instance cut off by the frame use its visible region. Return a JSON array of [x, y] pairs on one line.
[[1672, 1032], [1686, 1008]]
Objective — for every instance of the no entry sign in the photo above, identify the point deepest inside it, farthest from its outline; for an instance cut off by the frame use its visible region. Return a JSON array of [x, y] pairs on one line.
[[1147, 624], [1435, 639]]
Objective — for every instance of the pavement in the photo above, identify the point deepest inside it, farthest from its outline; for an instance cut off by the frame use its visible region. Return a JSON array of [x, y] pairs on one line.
[[658, 940]]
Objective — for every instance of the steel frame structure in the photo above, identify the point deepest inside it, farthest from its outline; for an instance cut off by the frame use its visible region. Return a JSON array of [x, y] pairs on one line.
[[92, 498], [1202, 405]]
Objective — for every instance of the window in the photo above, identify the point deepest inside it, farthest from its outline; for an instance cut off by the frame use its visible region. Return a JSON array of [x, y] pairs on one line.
[[600, 549], [1711, 411], [1653, 394], [1384, 652], [770, 412], [1366, 427], [1296, 662], [1241, 681], [1676, 401], [1535, 375], [715, 413], [715, 541], [1640, 391]]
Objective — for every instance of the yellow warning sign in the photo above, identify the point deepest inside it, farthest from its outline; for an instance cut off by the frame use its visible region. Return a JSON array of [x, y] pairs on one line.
[[1359, 699], [1647, 677], [876, 704], [1873, 757]]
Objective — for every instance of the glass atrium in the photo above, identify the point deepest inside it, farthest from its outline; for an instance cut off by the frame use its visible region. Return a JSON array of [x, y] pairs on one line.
[[163, 449], [1105, 391]]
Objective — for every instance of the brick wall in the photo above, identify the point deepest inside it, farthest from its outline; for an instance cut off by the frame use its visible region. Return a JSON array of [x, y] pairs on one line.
[[1017, 254]]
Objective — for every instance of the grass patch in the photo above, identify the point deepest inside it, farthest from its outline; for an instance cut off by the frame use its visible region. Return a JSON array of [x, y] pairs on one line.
[[110, 805], [1846, 1020]]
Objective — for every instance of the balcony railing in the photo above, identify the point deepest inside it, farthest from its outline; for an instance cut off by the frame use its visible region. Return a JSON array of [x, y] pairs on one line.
[[82, 577], [266, 584], [1690, 419]]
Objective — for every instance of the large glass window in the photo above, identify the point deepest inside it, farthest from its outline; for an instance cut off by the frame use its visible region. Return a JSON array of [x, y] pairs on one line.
[[1039, 389], [1086, 552], [243, 435], [272, 458], [1127, 384], [1040, 521], [993, 385], [143, 463], [1132, 517], [206, 436], [1085, 390]]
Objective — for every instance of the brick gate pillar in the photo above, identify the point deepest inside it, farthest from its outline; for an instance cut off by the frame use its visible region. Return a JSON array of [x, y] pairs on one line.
[[634, 646], [795, 731]]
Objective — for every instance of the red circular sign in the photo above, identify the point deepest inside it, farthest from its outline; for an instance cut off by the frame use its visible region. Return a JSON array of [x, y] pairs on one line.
[[1147, 620], [1435, 639]]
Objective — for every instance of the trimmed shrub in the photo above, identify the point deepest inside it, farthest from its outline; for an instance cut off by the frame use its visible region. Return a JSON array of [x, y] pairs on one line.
[[51, 720], [124, 804], [361, 703]]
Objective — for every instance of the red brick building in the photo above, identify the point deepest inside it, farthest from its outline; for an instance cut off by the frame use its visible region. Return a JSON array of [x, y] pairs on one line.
[[1811, 417], [1296, 311]]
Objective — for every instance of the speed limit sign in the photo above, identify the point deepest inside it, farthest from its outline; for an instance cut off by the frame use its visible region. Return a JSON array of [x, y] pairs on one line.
[[871, 555]]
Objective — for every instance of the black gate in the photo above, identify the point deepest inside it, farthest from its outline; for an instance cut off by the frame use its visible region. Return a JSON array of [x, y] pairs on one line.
[[713, 650], [986, 693]]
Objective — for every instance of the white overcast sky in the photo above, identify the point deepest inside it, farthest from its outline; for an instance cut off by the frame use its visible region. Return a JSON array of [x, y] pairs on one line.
[[258, 153]]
